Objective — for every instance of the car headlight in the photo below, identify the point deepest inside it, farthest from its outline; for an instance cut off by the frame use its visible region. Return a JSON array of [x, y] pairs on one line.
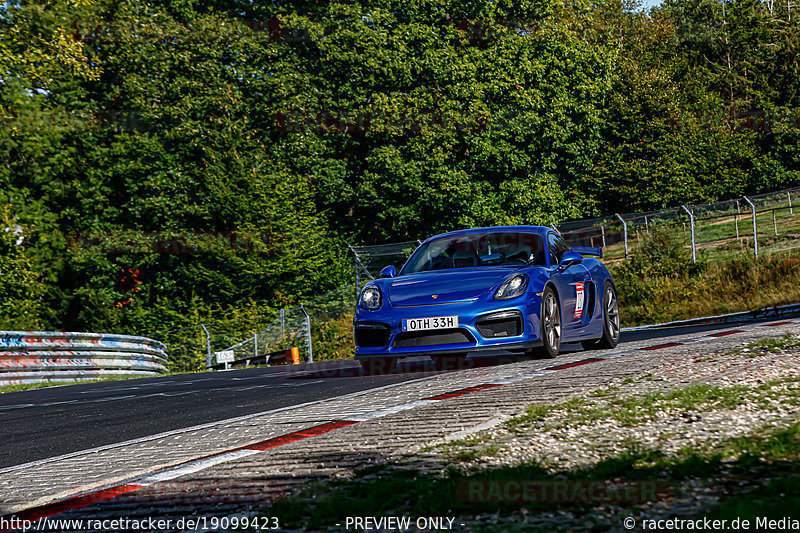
[[512, 287], [371, 298]]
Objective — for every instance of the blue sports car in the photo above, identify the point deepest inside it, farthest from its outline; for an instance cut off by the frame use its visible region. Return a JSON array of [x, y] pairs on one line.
[[519, 289]]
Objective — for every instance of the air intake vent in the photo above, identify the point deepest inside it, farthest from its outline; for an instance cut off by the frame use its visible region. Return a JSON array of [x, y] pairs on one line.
[[372, 335], [432, 338], [504, 324]]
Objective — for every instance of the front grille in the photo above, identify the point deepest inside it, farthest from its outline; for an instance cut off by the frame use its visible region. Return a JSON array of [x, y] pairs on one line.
[[372, 335], [500, 326], [411, 339]]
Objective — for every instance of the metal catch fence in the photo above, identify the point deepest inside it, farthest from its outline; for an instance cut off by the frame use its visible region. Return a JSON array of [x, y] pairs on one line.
[[261, 339], [756, 225], [291, 328], [369, 260]]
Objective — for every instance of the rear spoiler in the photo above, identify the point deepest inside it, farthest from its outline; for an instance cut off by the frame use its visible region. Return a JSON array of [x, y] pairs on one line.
[[586, 250]]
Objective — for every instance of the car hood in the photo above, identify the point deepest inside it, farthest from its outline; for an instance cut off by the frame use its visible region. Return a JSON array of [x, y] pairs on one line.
[[450, 285]]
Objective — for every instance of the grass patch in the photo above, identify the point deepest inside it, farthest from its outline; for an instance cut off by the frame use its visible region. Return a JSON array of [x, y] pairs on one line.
[[31, 386], [605, 404], [538, 412], [477, 452], [468, 449], [631, 409], [772, 345], [771, 500], [781, 492], [779, 446], [785, 390]]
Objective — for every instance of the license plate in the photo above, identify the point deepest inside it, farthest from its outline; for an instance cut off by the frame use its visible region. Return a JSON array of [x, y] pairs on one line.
[[434, 322]]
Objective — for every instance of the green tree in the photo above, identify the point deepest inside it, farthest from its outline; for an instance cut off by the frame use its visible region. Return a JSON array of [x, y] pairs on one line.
[[426, 117], [20, 286]]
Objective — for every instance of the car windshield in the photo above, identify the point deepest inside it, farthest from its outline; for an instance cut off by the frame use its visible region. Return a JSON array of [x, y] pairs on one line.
[[477, 250]]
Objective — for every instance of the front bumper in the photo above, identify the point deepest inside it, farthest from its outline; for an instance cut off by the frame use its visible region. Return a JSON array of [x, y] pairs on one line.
[[385, 328]]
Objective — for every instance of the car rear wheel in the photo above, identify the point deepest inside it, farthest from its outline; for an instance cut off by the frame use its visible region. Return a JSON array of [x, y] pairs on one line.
[[378, 365], [611, 327], [449, 362], [551, 323]]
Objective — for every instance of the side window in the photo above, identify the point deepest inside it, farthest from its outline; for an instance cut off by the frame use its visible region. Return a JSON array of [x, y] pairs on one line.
[[555, 257], [558, 247], [562, 247]]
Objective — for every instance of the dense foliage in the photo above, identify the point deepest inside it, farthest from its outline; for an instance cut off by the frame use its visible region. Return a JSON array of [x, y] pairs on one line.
[[171, 162]]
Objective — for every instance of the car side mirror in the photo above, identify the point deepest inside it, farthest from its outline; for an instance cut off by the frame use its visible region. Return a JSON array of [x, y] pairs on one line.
[[389, 272], [570, 258]]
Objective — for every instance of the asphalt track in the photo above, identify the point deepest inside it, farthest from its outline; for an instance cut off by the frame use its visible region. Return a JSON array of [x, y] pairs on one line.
[[42, 423]]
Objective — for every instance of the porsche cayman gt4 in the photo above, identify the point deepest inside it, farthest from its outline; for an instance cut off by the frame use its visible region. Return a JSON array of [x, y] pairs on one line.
[[517, 289]]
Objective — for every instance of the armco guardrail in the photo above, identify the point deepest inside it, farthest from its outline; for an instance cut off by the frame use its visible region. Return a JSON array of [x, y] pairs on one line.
[[43, 356], [742, 316]]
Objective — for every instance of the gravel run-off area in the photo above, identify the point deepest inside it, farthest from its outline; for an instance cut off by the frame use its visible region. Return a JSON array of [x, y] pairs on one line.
[[707, 405]]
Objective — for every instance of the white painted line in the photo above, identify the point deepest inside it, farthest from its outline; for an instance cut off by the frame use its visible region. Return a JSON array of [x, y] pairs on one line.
[[189, 467], [464, 433], [618, 354], [156, 394], [389, 410], [521, 377]]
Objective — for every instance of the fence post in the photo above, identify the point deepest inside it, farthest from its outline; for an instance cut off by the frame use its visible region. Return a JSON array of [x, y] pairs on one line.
[[208, 346], [755, 225], [283, 320], [255, 345], [358, 281], [736, 219], [308, 335], [603, 234], [789, 195], [359, 266], [691, 226], [774, 223], [624, 233]]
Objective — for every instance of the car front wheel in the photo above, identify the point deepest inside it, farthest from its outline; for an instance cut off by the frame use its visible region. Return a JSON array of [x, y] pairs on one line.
[[551, 323]]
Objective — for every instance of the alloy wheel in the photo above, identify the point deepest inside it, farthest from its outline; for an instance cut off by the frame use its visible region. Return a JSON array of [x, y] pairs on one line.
[[612, 313], [552, 322]]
